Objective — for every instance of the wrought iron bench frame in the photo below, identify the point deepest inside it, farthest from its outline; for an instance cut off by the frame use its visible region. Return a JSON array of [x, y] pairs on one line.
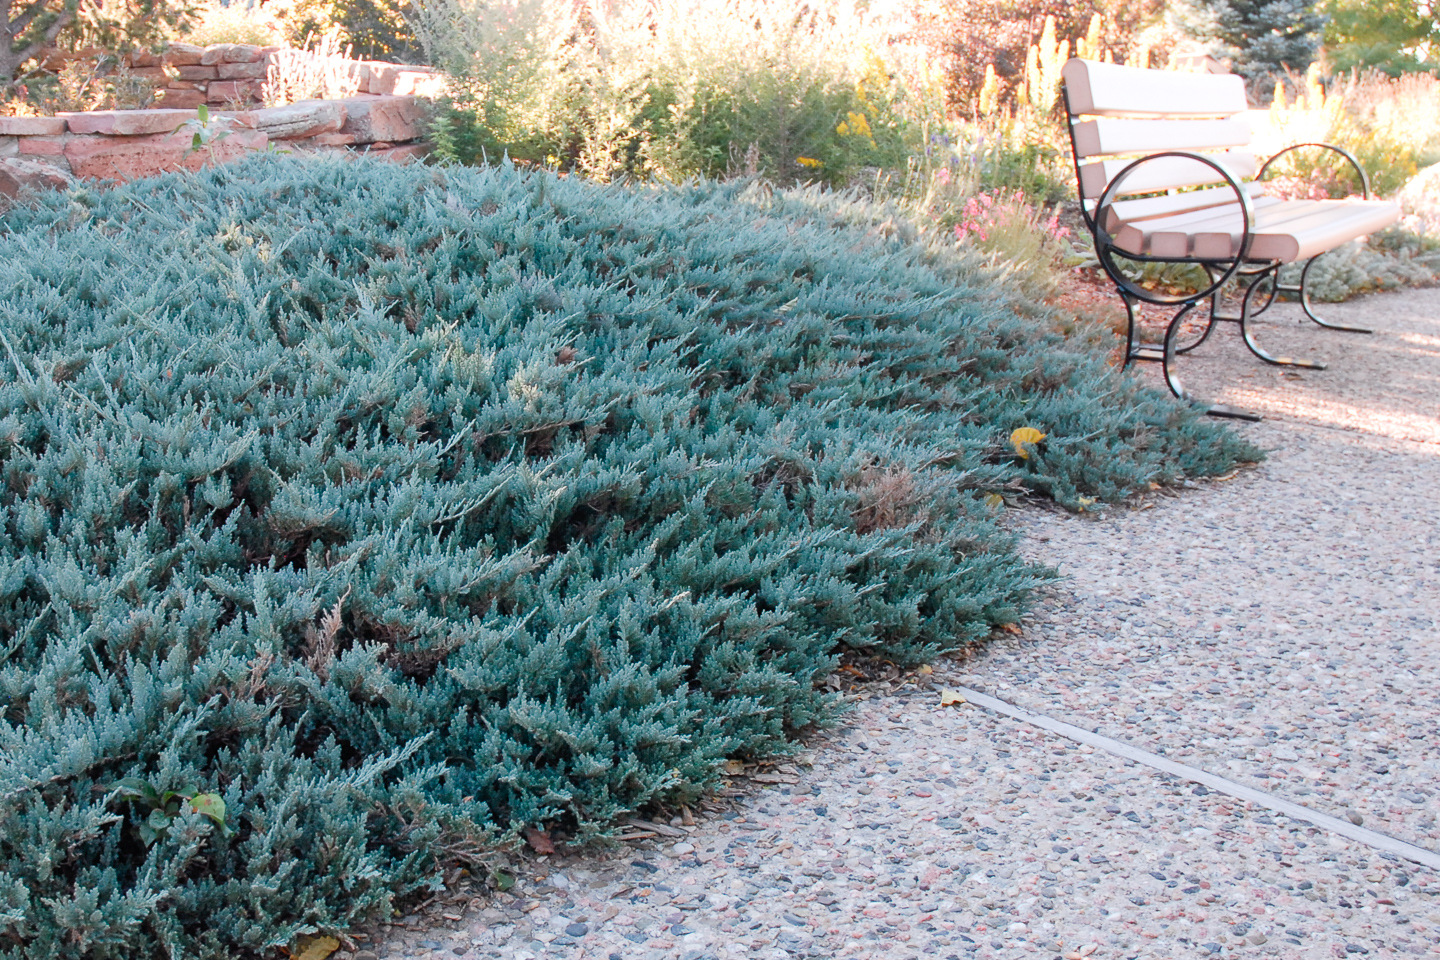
[[1258, 278]]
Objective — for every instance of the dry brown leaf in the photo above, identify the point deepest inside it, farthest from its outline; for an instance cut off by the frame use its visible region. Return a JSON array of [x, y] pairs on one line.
[[314, 948], [951, 698], [539, 841]]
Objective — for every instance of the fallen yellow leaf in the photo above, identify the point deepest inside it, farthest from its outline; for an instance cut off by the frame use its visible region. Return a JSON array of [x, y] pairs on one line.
[[994, 501], [1011, 628], [734, 767], [949, 698], [925, 668], [1023, 435], [315, 948]]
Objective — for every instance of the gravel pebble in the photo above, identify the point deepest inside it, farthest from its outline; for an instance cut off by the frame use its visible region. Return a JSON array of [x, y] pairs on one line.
[[1278, 629]]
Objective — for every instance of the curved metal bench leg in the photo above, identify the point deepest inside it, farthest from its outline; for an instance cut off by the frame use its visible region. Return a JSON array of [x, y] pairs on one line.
[[1304, 290], [1172, 377], [1246, 316]]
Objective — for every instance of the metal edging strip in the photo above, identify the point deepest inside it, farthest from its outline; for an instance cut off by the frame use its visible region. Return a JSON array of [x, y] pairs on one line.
[[1324, 821]]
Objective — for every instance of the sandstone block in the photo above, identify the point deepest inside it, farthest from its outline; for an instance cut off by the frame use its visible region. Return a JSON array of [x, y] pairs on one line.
[[17, 175], [128, 123], [149, 73], [117, 158], [231, 53], [183, 54], [403, 153], [42, 146], [9, 146], [252, 91], [366, 71], [416, 83], [32, 126], [181, 99], [238, 119], [243, 71], [144, 58], [333, 140], [373, 118], [304, 119], [380, 79], [197, 72], [398, 80]]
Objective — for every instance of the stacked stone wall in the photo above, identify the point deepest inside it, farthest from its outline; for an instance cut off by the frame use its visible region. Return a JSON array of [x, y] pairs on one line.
[[126, 144], [232, 75]]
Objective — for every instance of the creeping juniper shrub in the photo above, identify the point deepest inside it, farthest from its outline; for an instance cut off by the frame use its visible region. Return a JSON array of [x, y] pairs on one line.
[[393, 509]]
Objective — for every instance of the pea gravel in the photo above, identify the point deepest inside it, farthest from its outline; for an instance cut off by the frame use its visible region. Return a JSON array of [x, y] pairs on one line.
[[1277, 628]]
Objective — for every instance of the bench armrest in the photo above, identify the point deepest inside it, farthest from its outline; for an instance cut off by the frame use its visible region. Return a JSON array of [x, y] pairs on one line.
[[1364, 180]]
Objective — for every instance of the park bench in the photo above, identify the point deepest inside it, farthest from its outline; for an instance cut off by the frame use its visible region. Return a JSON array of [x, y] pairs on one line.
[[1165, 177]]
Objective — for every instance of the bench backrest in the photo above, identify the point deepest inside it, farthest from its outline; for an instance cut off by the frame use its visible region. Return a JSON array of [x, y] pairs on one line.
[[1120, 113]]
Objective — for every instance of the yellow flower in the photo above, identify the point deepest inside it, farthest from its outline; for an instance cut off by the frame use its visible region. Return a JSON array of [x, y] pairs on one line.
[[810, 162], [1023, 436], [858, 124]]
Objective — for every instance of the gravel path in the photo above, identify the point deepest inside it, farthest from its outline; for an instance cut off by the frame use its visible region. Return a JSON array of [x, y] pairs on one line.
[[1278, 628]]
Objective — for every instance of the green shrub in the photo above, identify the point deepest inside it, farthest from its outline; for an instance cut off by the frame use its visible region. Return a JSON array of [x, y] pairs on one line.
[[392, 509], [1392, 259], [670, 90]]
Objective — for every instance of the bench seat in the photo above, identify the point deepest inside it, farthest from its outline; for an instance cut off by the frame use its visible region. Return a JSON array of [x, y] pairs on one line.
[[1283, 230]]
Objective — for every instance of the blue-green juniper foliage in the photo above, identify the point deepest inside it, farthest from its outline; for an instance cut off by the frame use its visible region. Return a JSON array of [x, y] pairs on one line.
[[392, 510]]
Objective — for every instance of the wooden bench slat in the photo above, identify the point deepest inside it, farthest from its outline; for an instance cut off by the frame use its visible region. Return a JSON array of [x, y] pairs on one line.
[[1107, 136], [1170, 236], [1166, 173], [1272, 216], [1110, 90], [1336, 222], [1122, 212]]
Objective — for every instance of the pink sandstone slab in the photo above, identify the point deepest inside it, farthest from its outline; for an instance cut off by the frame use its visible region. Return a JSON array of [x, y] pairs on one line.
[[243, 71], [231, 53], [43, 146], [115, 158], [371, 119], [183, 54], [31, 126], [403, 153], [172, 97], [17, 175], [400, 80], [304, 119], [127, 123], [227, 91]]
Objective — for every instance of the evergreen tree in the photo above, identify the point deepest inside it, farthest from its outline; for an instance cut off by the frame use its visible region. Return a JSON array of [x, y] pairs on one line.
[[1262, 37], [1396, 36]]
